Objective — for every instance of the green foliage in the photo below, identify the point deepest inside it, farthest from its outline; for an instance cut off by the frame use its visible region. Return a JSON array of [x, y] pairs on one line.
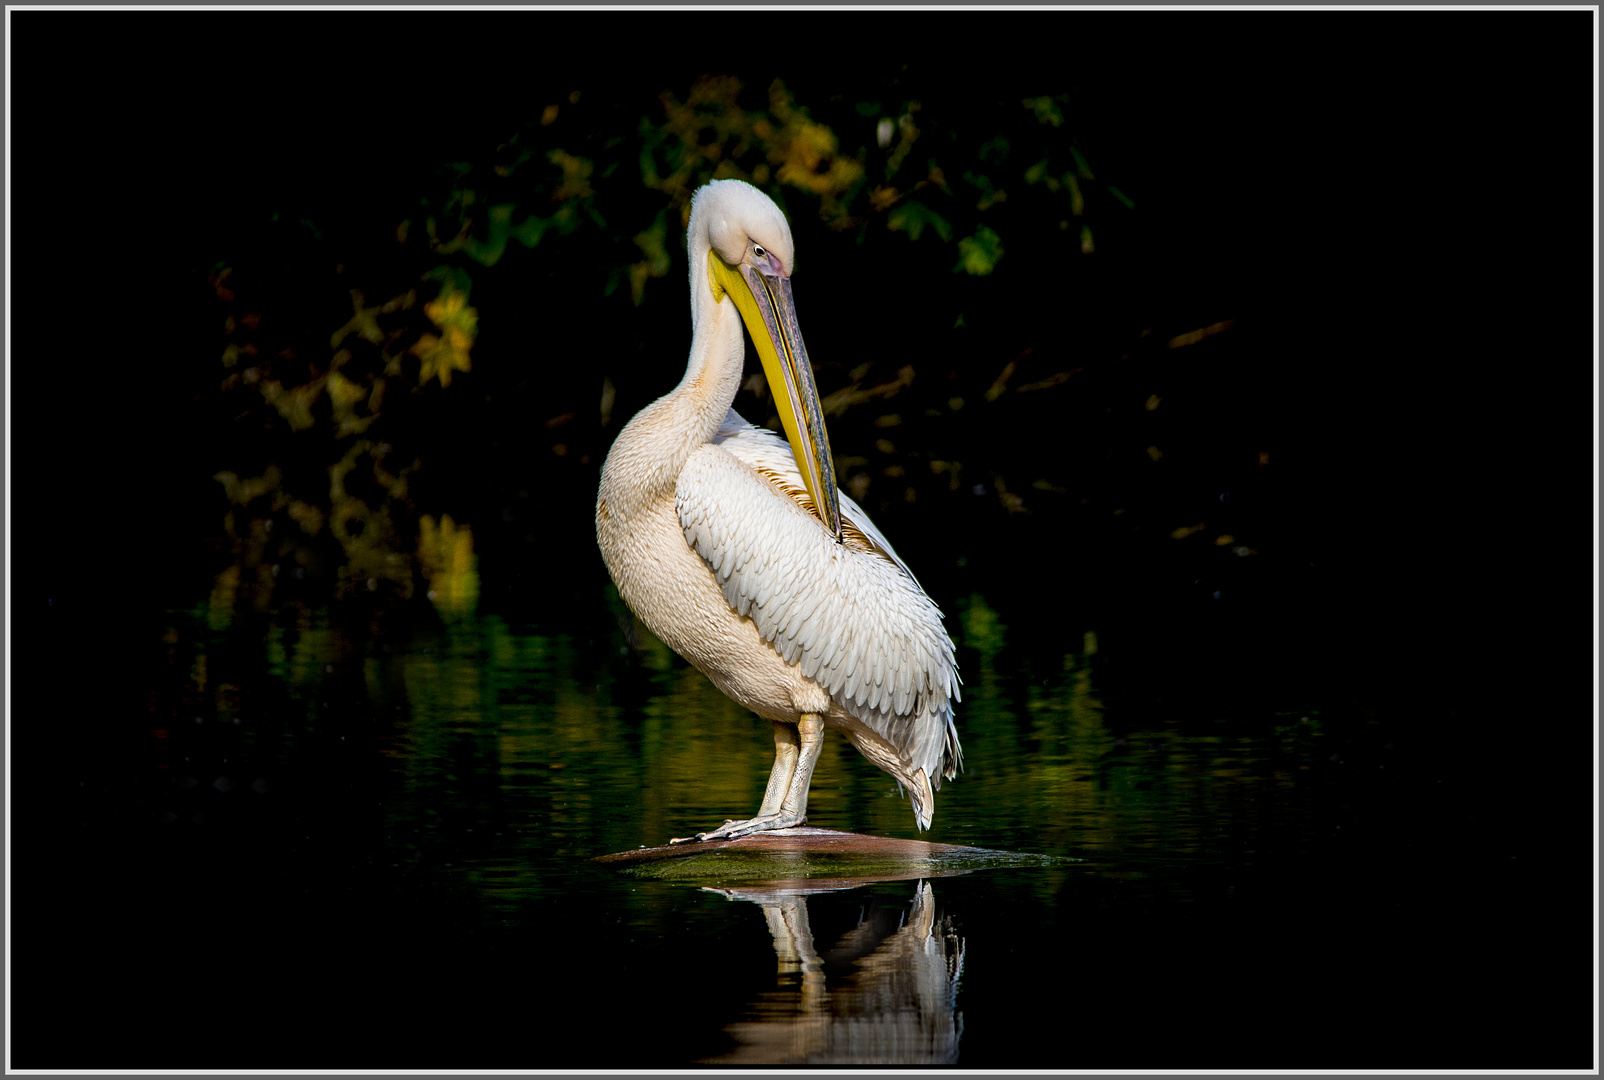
[[1046, 110], [313, 407], [350, 392], [911, 217], [978, 254]]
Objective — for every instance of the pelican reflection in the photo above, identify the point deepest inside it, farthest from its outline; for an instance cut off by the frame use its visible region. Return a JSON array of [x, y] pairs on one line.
[[897, 1007]]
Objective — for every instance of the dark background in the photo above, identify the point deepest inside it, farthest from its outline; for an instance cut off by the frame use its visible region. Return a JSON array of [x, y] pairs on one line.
[[1396, 208]]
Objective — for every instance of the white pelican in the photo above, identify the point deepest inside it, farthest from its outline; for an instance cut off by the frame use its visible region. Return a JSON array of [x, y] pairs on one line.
[[738, 551]]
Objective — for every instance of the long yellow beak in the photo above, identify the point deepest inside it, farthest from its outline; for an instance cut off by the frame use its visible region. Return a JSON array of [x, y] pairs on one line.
[[764, 301]]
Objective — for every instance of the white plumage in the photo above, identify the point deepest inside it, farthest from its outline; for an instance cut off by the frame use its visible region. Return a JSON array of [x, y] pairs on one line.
[[850, 615], [710, 528]]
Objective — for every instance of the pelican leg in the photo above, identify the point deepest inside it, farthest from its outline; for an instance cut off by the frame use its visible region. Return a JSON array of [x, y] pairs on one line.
[[786, 747], [785, 801]]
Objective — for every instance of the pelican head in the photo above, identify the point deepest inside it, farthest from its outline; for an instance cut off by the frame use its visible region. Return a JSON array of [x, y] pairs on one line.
[[740, 218], [750, 256]]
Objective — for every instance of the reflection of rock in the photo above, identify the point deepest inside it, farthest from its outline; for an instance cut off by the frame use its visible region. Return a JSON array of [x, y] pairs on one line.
[[898, 1008]]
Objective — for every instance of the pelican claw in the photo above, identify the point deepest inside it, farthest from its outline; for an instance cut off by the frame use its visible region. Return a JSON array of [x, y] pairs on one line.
[[734, 830]]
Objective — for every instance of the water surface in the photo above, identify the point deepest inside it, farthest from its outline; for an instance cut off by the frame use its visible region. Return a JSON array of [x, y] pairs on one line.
[[344, 842]]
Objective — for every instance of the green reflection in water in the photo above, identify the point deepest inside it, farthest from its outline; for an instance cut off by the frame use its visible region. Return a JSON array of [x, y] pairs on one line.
[[459, 779], [504, 758]]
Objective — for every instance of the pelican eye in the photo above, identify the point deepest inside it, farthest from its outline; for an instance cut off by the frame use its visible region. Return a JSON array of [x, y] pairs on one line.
[[757, 249]]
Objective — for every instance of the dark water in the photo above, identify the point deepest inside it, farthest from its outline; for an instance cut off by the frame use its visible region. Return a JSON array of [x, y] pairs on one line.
[[333, 841]]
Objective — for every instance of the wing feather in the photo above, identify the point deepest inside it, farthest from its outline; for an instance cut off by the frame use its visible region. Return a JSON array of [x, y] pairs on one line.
[[851, 614]]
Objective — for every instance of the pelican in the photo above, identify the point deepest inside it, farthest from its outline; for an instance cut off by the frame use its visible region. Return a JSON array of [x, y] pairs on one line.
[[736, 548]]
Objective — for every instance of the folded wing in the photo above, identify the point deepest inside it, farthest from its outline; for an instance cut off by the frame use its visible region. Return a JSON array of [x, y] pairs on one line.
[[851, 614]]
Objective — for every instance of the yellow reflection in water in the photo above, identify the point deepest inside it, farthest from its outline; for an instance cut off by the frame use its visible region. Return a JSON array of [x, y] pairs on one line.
[[556, 739]]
